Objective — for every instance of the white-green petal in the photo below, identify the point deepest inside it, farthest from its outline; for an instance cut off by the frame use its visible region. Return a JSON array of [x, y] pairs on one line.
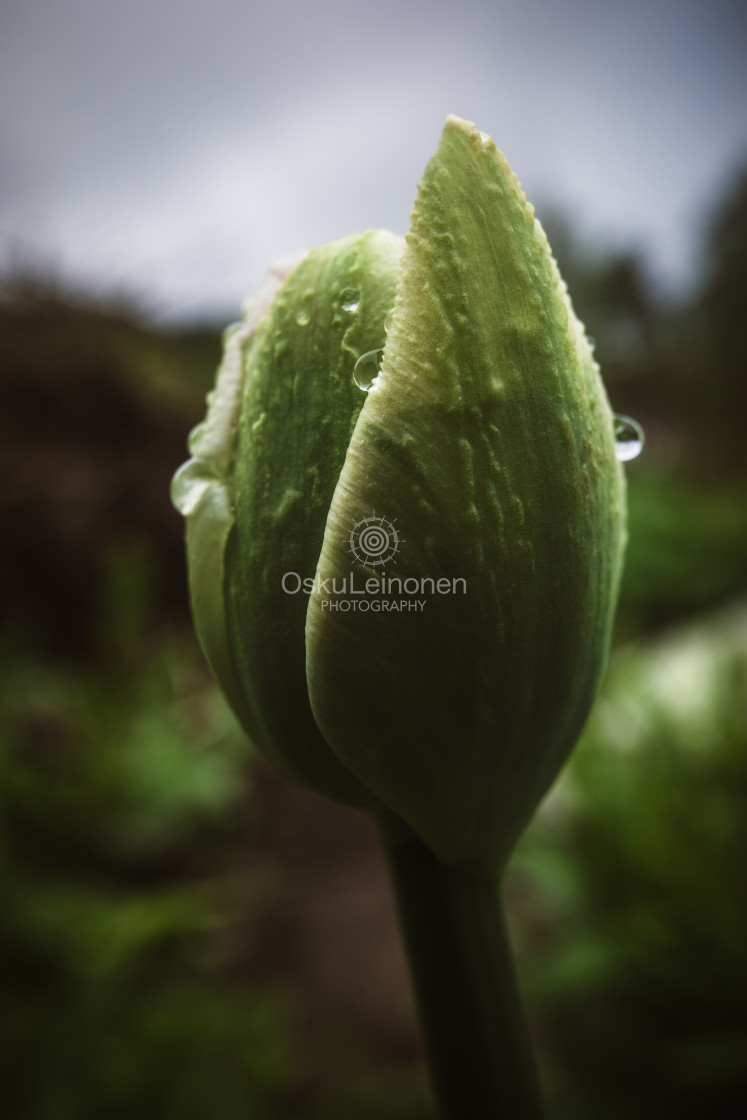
[[201, 491]]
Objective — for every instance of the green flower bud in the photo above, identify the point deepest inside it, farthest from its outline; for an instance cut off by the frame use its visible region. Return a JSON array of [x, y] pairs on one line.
[[460, 526]]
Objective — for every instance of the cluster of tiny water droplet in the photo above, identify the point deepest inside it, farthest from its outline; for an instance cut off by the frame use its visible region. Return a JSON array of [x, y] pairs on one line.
[[195, 476], [629, 437]]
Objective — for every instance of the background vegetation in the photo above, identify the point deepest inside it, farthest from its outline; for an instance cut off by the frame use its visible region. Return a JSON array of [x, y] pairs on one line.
[[184, 935]]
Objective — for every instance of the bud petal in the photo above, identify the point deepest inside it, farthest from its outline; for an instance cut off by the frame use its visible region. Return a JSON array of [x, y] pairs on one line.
[[290, 406], [489, 444]]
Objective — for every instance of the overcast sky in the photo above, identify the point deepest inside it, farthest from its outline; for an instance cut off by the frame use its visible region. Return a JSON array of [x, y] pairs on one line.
[[174, 147]]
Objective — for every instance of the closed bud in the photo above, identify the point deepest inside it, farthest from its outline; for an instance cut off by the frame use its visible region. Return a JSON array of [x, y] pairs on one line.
[[407, 592]]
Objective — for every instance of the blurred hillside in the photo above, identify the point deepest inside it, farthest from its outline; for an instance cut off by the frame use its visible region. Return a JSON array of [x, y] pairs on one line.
[[185, 935]]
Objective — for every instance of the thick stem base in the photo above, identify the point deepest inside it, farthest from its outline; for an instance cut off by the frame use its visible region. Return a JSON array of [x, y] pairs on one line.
[[475, 1037]]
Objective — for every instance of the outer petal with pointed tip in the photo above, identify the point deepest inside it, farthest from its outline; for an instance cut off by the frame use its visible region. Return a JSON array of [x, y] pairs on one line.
[[489, 442]]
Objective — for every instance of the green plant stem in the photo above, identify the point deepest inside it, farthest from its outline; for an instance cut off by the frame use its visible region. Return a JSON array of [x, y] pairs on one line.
[[476, 1043]]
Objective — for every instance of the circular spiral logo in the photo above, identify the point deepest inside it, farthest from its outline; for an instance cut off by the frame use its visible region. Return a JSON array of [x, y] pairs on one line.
[[374, 541]]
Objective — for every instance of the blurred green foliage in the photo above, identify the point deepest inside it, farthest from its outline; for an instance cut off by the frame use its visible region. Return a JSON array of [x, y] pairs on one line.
[[635, 875], [126, 833], [134, 887], [116, 798], [687, 550]]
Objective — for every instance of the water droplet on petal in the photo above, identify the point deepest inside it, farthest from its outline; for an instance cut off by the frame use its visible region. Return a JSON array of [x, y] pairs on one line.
[[388, 321], [367, 369], [189, 484], [349, 299], [199, 430], [629, 438], [303, 318]]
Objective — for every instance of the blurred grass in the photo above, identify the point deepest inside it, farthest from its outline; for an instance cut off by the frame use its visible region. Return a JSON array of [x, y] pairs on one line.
[[161, 945]]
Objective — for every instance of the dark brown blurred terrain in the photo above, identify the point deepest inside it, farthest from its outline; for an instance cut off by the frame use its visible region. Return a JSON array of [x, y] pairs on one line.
[[92, 428]]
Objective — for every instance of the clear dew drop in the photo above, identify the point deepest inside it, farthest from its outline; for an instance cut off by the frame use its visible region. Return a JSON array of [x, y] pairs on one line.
[[388, 321], [303, 318], [367, 370], [350, 299], [194, 437], [189, 484], [629, 438]]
